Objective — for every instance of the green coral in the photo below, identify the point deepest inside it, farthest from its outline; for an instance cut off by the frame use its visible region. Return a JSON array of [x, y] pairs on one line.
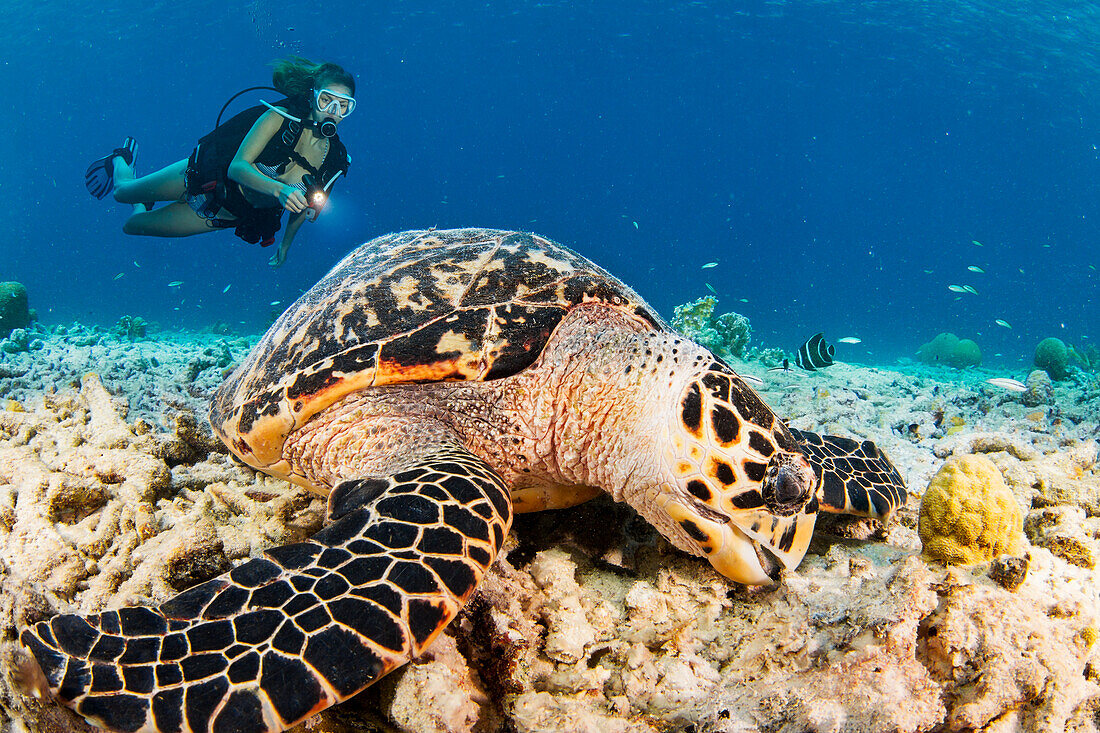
[[691, 318], [131, 328], [725, 335], [949, 349], [1087, 357], [1052, 356], [14, 312], [770, 357]]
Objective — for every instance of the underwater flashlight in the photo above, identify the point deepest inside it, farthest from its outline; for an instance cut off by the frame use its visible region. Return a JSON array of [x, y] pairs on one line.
[[316, 196]]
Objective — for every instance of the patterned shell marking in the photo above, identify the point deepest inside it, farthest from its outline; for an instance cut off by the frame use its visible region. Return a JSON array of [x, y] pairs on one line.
[[425, 306]]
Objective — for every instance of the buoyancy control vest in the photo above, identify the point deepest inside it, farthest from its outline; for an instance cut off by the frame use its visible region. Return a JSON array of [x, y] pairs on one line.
[[208, 169]]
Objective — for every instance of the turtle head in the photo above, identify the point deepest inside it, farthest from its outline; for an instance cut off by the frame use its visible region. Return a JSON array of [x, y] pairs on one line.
[[743, 494]]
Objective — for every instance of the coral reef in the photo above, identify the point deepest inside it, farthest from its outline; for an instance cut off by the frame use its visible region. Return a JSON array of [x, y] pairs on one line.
[[950, 350], [1039, 391], [1052, 356], [726, 335], [1087, 357], [131, 328], [20, 340], [113, 492], [967, 513], [14, 312]]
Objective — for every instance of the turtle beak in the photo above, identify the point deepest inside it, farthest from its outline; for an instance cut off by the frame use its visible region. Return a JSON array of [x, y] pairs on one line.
[[743, 560]]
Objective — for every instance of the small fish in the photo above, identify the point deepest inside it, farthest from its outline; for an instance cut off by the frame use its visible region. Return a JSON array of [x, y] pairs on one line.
[[957, 289], [928, 272], [121, 274], [1012, 385], [754, 381], [815, 353], [276, 302], [784, 367], [709, 265], [975, 268], [743, 300], [970, 289], [849, 340], [711, 288], [1003, 323], [136, 264], [635, 224], [175, 283], [226, 288], [976, 242]]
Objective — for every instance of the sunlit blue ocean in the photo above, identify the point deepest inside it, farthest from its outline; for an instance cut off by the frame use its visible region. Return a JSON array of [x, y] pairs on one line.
[[842, 162]]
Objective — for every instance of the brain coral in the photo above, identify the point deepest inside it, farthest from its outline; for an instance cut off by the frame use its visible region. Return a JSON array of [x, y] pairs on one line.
[[1052, 356], [949, 349], [968, 515]]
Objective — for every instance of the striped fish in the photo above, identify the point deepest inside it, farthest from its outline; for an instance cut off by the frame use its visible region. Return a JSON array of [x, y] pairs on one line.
[[815, 353]]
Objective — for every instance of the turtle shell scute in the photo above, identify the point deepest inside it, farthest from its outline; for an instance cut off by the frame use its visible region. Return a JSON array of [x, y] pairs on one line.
[[421, 306]]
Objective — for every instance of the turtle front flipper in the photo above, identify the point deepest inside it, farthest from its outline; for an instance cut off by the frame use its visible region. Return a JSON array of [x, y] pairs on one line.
[[854, 477], [306, 626]]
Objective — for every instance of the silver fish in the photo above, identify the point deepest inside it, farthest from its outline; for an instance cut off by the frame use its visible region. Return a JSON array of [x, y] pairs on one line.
[[1012, 385]]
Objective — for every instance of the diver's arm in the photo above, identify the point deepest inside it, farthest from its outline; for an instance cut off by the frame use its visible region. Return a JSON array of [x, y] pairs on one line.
[[292, 228], [242, 168]]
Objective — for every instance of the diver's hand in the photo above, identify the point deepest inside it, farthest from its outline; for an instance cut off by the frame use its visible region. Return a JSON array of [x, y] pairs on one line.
[[292, 199]]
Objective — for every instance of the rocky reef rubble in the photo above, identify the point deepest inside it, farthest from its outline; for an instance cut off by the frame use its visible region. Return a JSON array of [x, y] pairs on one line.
[[157, 373], [99, 513], [590, 621]]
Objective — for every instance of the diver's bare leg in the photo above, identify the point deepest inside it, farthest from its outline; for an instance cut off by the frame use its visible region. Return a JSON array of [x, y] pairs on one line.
[[177, 219], [167, 184]]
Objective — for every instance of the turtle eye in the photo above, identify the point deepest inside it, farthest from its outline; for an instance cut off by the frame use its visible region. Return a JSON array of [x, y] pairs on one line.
[[787, 487], [788, 483]]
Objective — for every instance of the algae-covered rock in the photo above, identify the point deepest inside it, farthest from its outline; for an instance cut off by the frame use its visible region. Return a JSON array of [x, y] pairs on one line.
[[725, 335], [950, 350], [1052, 356], [131, 328], [968, 514], [1039, 391], [13, 307]]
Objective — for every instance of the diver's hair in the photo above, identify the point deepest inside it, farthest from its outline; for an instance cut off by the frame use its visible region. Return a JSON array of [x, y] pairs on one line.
[[295, 76]]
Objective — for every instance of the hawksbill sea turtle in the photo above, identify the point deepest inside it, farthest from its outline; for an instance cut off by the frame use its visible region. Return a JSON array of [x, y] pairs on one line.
[[431, 384]]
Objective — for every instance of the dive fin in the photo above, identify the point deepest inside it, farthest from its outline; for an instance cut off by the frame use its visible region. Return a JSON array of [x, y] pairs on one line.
[[100, 176]]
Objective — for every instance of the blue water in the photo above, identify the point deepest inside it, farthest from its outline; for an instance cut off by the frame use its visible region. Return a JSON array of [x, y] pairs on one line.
[[835, 158]]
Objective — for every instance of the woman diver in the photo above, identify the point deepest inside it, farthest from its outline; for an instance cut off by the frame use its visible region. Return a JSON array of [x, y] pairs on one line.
[[249, 169]]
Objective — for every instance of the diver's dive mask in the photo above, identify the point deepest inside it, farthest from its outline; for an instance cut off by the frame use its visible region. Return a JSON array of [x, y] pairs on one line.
[[333, 103]]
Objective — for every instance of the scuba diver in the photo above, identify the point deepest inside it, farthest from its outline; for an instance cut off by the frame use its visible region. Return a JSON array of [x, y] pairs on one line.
[[249, 169]]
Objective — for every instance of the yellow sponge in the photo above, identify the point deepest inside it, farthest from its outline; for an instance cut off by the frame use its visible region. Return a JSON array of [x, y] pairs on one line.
[[968, 515]]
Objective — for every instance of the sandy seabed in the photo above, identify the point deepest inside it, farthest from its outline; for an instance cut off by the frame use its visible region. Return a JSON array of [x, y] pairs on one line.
[[113, 492]]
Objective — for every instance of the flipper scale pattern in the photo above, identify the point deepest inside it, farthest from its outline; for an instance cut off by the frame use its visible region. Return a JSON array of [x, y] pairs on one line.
[[855, 477], [306, 626]]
